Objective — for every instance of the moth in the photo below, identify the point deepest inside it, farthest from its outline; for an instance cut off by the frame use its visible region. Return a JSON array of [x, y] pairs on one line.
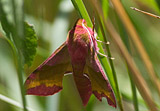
[[78, 54]]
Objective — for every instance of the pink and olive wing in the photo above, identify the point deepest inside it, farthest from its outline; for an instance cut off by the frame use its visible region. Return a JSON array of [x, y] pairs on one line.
[[100, 85], [83, 83], [47, 78]]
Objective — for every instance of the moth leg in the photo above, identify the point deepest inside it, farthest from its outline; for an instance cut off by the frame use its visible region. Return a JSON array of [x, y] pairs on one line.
[[105, 55], [103, 42]]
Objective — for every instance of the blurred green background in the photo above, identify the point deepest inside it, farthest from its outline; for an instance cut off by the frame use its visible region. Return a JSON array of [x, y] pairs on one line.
[[52, 19]]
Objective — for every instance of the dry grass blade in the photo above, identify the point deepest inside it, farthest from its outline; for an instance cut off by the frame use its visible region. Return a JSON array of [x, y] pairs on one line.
[[134, 36], [147, 13], [138, 79]]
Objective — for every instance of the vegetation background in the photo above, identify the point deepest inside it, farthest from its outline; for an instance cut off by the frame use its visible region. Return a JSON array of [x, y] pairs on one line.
[[134, 74]]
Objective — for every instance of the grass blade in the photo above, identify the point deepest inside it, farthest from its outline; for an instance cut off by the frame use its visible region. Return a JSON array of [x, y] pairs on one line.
[[136, 40], [78, 4], [118, 95], [127, 44], [19, 34], [13, 102], [84, 14], [134, 93], [138, 79]]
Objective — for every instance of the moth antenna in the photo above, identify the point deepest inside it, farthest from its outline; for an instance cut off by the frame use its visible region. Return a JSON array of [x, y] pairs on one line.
[[93, 22], [147, 13], [105, 55]]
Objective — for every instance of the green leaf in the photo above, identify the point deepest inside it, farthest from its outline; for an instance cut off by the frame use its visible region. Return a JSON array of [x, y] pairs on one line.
[[30, 44], [4, 21]]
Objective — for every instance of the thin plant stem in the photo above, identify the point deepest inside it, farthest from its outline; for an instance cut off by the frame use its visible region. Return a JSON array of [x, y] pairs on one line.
[[147, 13], [136, 75], [116, 88], [127, 44], [13, 102], [118, 95], [136, 40], [79, 6], [134, 93], [138, 79], [18, 55], [84, 14]]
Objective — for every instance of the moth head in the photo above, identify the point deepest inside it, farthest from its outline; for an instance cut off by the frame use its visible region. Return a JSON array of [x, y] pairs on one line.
[[81, 21]]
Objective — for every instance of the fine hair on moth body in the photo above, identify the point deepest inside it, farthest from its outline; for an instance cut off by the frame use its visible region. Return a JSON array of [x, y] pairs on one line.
[[147, 13]]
